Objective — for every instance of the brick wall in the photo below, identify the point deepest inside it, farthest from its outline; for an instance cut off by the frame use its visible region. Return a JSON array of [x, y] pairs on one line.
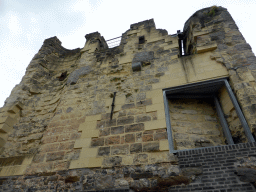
[[218, 166]]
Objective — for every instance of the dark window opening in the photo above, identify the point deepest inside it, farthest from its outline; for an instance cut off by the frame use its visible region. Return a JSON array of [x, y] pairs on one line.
[[198, 115], [181, 41], [141, 39]]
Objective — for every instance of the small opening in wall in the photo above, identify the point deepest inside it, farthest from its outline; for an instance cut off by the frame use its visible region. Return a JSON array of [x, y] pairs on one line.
[[141, 39], [181, 43]]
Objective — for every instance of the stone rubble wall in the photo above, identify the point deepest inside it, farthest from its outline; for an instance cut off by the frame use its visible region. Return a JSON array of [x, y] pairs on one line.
[[195, 123]]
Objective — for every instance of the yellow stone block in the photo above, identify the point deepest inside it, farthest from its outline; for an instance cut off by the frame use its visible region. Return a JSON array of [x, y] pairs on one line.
[[166, 78], [7, 120], [160, 85], [2, 141], [155, 107], [250, 77], [90, 133], [13, 170], [80, 163], [86, 142], [5, 128], [207, 48], [120, 100], [117, 108], [158, 124], [27, 160], [95, 161], [154, 93], [174, 45], [108, 102], [228, 106], [126, 59], [93, 118], [127, 160], [159, 157], [175, 82], [216, 73], [19, 104], [14, 109], [201, 33], [160, 114], [87, 125], [159, 99], [164, 145], [88, 152]]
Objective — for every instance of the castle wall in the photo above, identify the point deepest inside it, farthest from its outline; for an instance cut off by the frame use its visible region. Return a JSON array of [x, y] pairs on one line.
[[94, 118]]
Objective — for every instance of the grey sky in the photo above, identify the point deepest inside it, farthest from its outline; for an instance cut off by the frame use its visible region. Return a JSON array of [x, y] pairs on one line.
[[25, 24]]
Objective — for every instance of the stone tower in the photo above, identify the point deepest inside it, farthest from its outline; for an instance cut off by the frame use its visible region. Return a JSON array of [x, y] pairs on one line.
[[158, 112]]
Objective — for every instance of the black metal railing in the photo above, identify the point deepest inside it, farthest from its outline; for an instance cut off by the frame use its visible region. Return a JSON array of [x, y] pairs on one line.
[[114, 42]]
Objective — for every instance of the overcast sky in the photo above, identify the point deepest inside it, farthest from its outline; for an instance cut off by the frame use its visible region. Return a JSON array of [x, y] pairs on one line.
[[25, 24]]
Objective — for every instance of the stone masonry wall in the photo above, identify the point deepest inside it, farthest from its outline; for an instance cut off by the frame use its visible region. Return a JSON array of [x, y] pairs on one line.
[[66, 137], [195, 123]]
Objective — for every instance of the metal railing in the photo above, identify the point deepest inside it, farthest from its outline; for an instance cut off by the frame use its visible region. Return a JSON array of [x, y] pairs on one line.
[[114, 42]]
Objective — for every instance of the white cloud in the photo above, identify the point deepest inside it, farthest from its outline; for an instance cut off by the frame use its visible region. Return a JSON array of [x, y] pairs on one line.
[[13, 23]]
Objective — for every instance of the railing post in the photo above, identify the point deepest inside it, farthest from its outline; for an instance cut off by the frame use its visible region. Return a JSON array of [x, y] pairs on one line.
[[168, 123], [239, 112]]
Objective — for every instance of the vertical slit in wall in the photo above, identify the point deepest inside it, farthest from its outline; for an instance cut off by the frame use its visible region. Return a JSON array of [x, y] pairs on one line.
[[182, 48]]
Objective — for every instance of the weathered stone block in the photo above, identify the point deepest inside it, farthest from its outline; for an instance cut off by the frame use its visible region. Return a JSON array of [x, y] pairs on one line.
[[128, 106], [104, 132], [97, 142], [160, 136], [143, 118], [134, 128], [151, 147], [104, 151], [55, 156], [120, 150], [136, 148], [125, 120], [5, 128], [117, 130], [112, 140], [7, 120], [140, 159], [129, 138], [136, 66], [112, 161], [110, 123], [147, 137]]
